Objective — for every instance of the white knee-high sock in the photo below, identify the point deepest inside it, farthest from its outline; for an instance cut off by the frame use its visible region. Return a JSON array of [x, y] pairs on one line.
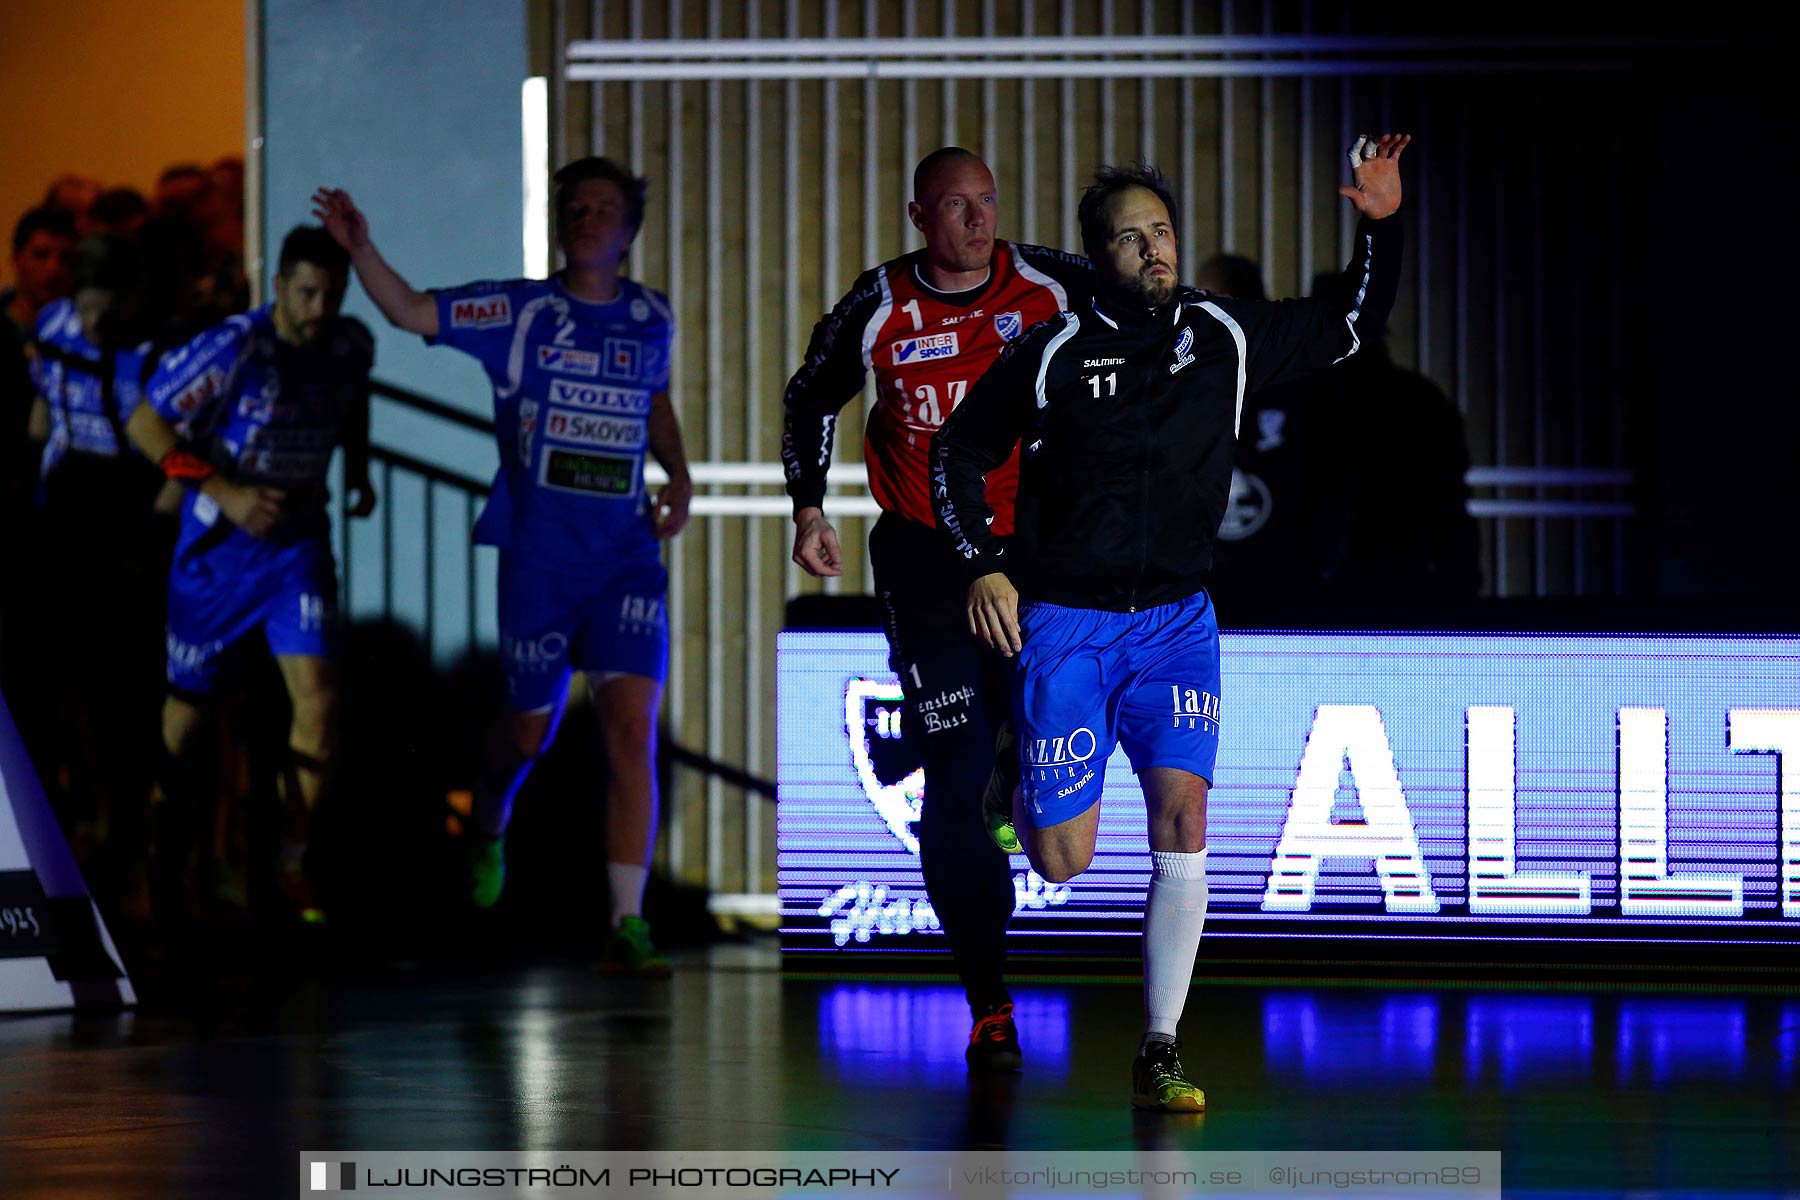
[[1174, 912], [627, 881]]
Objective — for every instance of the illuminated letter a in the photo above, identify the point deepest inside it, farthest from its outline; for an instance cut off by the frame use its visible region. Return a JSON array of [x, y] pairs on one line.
[[1385, 833]]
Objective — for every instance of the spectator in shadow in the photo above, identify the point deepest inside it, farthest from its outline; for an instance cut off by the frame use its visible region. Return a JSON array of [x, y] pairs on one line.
[[1349, 484], [119, 212], [73, 194], [182, 191], [41, 246], [97, 574]]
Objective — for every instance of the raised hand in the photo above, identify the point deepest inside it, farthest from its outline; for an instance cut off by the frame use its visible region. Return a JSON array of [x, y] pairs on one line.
[[1375, 165], [341, 218]]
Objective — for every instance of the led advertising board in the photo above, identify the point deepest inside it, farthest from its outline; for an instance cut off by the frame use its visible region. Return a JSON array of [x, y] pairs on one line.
[[1369, 785]]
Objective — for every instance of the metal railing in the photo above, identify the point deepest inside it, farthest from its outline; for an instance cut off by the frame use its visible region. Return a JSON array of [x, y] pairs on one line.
[[439, 486]]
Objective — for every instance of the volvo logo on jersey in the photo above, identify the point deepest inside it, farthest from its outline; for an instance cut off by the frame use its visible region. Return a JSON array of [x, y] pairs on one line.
[[924, 349]]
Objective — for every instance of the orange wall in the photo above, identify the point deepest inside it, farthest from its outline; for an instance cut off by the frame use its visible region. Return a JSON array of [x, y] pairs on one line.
[[115, 89]]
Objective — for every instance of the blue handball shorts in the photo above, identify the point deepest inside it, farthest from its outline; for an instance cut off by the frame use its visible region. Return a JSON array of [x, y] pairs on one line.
[[552, 624], [1088, 681], [212, 610]]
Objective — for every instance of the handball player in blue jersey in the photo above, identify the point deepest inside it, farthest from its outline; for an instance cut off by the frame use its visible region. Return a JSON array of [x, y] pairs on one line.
[[579, 364], [248, 414]]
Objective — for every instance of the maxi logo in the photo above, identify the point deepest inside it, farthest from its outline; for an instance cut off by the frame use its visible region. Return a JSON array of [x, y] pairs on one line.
[[584, 429], [624, 402], [190, 398], [565, 361], [926, 348], [481, 312]]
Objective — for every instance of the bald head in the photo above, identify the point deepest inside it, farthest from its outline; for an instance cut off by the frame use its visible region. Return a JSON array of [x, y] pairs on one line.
[[955, 207], [940, 162]]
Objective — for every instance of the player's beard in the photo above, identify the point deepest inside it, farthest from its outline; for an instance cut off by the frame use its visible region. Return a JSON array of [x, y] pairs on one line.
[[1152, 291]]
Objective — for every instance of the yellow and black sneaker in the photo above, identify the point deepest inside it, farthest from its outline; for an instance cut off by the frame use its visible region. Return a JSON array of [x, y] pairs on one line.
[[1158, 1082], [994, 1042], [630, 952], [997, 800]]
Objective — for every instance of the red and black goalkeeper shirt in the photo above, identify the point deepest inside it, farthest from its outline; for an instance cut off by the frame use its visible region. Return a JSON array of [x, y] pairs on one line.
[[927, 348]]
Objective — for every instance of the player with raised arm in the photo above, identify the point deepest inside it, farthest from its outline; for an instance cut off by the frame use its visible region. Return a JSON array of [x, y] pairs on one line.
[[579, 364], [1128, 410], [248, 414], [927, 324]]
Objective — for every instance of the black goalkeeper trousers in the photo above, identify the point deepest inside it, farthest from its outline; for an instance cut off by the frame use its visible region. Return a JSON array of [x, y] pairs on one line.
[[956, 696]]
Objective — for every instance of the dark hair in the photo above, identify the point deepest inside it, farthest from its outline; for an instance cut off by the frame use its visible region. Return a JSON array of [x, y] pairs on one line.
[[182, 171], [583, 170], [117, 205], [938, 158], [1109, 182], [1241, 276], [311, 244], [42, 219], [112, 264]]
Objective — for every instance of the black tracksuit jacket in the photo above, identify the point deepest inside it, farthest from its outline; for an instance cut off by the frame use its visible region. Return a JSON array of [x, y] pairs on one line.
[[1129, 420]]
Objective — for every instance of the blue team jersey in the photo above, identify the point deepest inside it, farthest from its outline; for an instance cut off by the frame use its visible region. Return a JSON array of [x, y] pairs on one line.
[[573, 384], [70, 373], [267, 413]]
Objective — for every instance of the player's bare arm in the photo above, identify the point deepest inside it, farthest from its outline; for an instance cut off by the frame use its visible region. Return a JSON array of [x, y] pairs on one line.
[[255, 510], [1375, 166], [994, 613], [403, 306], [672, 502]]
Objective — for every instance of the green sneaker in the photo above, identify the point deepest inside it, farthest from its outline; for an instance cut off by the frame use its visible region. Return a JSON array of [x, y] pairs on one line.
[[1157, 1080], [630, 952], [297, 893], [487, 869], [997, 800]]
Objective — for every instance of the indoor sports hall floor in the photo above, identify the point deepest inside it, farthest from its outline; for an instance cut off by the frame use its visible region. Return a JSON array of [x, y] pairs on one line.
[[215, 1089]]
